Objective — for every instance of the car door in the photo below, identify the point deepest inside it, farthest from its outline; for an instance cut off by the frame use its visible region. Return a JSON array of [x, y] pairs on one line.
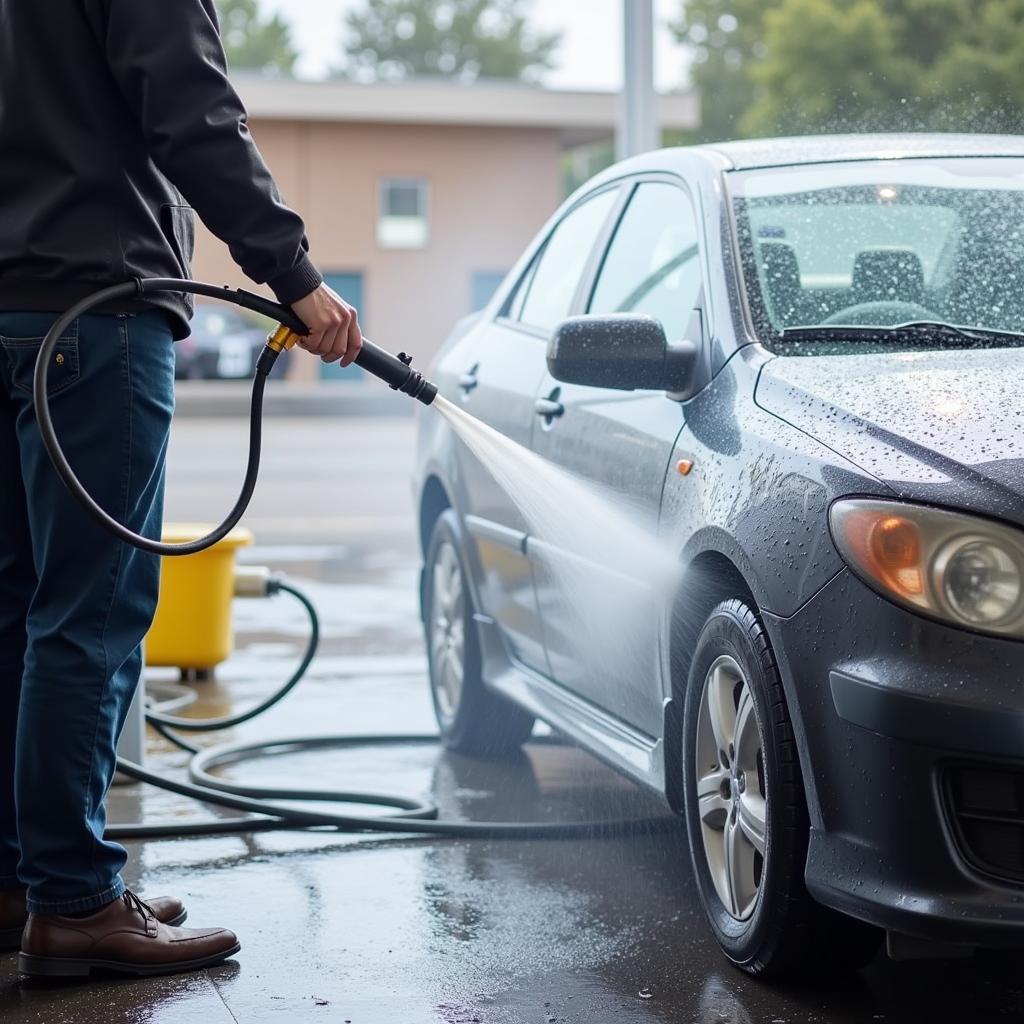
[[621, 441], [503, 366]]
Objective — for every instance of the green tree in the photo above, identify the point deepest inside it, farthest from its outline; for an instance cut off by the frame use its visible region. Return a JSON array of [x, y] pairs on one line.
[[724, 38], [460, 39], [254, 42], [978, 77], [854, 65], [826, 66]]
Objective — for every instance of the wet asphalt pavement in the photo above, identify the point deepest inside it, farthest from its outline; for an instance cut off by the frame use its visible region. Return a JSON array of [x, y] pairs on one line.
[[366, 929]]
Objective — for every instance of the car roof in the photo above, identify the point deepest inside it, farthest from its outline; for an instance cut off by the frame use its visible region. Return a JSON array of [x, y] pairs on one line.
[[815, 149], [752, 154]]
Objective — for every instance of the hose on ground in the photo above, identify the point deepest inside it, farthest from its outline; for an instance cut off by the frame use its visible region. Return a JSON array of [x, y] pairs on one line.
[[274, 806], [168, 721]]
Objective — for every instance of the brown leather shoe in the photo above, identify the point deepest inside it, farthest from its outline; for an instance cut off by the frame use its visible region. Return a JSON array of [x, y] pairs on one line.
[[14, 915], [123, 937]]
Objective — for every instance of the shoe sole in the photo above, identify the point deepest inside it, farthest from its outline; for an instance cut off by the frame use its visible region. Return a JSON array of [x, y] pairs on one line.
[[10, 938], [67, 967]]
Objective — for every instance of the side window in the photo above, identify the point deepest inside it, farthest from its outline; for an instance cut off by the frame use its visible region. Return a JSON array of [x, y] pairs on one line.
[[653, 263], [514, 306], [562, 261]]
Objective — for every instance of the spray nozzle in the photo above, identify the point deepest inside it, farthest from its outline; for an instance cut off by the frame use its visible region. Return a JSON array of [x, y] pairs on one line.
[[415, 384], [395, 371]]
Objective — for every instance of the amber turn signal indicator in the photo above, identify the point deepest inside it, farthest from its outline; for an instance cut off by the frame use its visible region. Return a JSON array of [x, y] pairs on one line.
[[684, 466], [896, 551], [887, 547]]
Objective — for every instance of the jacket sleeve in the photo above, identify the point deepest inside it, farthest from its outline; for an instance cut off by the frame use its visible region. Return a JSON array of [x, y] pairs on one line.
[[169, 64]]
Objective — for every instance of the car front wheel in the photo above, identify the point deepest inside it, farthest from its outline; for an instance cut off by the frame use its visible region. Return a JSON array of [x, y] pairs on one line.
[[745, 810], [471, 718]]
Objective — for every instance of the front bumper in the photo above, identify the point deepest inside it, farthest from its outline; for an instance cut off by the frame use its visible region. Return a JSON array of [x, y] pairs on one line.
[[911, 736]]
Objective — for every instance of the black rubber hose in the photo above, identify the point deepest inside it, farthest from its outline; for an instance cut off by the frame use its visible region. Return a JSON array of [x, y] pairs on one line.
[[156, 718], [273, 804], [413, 820], [393, 370], [67, 474]]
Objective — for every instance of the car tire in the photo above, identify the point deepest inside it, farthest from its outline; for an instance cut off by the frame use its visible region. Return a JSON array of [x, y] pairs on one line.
[[472, 719], [745, 810]]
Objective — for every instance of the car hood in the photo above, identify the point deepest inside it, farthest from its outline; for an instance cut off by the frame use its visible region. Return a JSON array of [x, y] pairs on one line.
[[941, 426]]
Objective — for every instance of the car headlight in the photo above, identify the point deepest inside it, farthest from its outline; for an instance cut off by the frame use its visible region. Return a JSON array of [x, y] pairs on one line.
[[955, 567]]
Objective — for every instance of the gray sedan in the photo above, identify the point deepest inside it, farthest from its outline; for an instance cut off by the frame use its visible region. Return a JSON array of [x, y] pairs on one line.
[[800, 361]]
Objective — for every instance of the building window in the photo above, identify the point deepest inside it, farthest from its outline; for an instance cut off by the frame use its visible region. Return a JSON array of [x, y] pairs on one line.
[[403, 222]]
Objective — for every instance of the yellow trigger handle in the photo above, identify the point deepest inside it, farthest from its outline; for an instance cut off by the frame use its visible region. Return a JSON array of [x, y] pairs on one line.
[[283, 339]]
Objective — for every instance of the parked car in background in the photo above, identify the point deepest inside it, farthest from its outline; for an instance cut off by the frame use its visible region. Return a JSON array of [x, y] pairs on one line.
[[802, 358], [223, 345]]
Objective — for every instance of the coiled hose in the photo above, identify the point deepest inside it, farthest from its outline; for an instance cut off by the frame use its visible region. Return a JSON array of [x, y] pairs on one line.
[[274, 805]]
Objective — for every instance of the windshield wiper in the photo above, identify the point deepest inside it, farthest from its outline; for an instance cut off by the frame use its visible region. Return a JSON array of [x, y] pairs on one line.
[[918, 332]]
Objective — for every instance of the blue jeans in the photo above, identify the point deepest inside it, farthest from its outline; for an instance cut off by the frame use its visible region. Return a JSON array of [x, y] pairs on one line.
[[75, 604]]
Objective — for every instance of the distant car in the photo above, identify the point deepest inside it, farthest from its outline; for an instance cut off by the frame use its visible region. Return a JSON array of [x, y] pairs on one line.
[[223, 345], [804, 358]]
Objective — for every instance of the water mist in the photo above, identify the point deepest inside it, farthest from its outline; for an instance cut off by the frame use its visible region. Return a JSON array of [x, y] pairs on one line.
[[600, 571]]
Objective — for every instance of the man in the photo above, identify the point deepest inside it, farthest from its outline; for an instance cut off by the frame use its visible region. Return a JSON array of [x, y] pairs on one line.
[[116, 120]]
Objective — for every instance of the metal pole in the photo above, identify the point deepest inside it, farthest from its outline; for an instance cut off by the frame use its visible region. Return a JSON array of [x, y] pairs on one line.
[[638, 124]]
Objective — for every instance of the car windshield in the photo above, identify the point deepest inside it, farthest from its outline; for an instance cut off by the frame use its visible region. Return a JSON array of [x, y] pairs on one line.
[[876, 245]]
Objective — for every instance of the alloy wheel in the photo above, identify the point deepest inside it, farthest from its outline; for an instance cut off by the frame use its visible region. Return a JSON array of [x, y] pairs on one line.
[[731, 787], [447, 631]]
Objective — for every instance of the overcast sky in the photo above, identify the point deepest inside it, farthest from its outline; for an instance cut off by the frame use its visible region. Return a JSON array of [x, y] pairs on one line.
[[589, 57]]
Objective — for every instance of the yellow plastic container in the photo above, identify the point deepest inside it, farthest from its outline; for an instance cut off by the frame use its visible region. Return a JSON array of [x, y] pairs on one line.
[[192, 629]]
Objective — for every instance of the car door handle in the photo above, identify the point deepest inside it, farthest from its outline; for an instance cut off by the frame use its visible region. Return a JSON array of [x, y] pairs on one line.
[[548, 408], [468, 381]]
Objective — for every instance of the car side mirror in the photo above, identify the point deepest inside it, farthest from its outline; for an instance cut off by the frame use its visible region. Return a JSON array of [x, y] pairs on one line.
[[619, 350]]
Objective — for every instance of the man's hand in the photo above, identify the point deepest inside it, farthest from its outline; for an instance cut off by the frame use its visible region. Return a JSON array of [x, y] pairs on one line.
[[333, 326]]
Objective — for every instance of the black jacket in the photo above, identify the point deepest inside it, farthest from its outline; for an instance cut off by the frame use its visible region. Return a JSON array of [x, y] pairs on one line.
[[103, 105]]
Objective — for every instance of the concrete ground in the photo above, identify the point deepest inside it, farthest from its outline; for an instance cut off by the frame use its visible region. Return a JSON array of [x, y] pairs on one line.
[[375, 930]]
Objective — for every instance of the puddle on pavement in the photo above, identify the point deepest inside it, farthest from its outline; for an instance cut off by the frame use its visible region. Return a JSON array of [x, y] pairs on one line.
[[394, 930]]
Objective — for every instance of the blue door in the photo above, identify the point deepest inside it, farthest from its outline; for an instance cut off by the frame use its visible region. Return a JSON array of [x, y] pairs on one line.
[[350, 288]]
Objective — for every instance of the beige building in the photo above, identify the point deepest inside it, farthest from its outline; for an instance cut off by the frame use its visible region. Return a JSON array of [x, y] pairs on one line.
[[419, 196]]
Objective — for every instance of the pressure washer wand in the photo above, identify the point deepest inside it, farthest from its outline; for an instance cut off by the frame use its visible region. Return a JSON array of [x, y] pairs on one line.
[[395, 371]]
